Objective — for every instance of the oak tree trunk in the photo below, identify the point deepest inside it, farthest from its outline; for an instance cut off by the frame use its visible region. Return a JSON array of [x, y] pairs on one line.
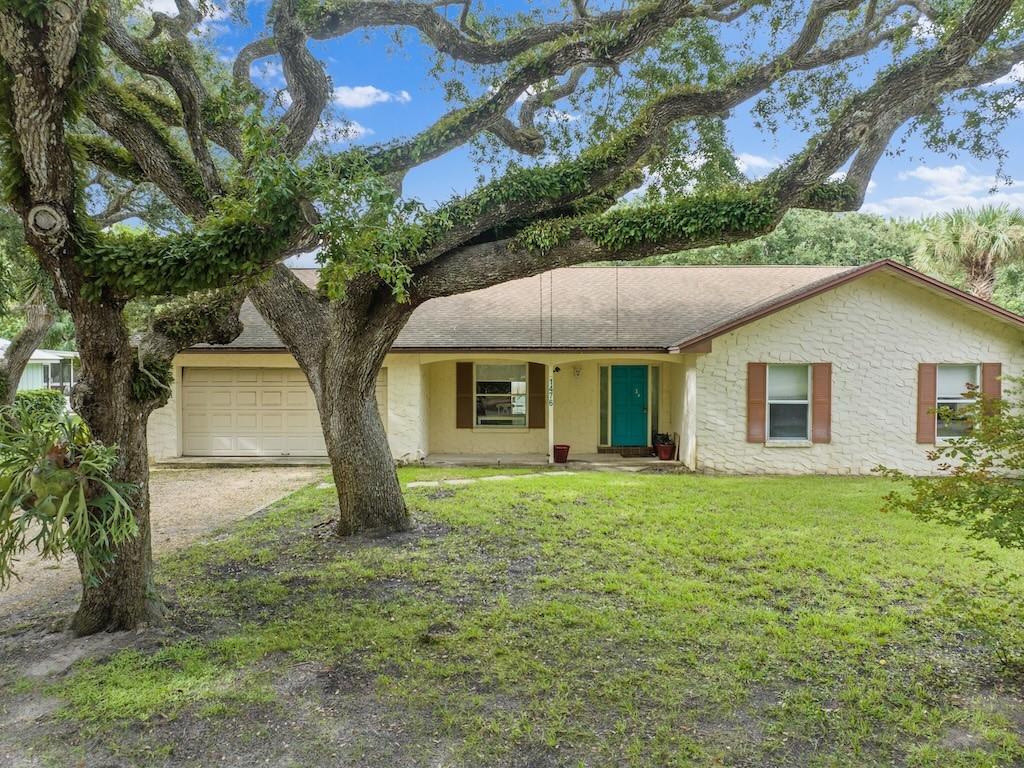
[[340, 346], [104, 397], [369, 495]]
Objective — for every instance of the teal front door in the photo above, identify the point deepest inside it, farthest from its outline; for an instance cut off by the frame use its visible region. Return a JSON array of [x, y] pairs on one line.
[[629, 405]]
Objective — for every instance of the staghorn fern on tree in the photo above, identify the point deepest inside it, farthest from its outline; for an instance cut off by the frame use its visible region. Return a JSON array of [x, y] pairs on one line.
[[57, 492]]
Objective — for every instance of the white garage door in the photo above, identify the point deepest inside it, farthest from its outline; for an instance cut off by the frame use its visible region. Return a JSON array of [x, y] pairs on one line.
[[253, 412]]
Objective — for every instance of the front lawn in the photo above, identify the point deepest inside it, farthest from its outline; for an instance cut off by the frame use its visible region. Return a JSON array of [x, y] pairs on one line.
[[594, 619]]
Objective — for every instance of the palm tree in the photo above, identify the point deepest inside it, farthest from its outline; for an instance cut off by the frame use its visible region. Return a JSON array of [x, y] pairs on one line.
[[970, 246]]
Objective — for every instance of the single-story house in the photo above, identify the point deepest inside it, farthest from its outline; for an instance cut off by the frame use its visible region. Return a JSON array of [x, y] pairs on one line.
[[787, 369], [47, 369]]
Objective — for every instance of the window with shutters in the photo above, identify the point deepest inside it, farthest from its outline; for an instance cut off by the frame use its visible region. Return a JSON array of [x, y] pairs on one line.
[[500, 395], [789, 403], [954, 385]]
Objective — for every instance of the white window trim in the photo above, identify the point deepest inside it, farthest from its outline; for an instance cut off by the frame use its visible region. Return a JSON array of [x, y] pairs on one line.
[[940, 402], [510, 427], [791, 442]]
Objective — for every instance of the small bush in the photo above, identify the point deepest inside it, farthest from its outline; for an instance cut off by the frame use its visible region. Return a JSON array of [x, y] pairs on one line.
[[42, 403], [981, 483]]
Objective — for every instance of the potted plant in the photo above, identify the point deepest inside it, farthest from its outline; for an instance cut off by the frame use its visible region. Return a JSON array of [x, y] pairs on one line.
[[664, 446]]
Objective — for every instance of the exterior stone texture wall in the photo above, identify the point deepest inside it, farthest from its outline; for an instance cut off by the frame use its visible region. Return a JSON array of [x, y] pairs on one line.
[[162, 430], [407, 414], [874, 331]]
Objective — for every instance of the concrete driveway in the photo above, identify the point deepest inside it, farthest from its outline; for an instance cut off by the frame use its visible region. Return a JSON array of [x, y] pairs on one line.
[[188, 503]]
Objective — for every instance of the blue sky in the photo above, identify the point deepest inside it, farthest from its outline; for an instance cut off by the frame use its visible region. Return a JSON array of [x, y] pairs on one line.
[[385, 93]]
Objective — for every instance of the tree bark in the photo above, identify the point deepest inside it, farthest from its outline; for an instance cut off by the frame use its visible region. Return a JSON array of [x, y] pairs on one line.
[[104, 397], [369, 495], [981, 280], [38, 321], [341, 345]]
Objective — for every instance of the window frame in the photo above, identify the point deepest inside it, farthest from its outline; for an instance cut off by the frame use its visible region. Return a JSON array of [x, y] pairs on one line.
[[769, 402], [525, 395], [940, 402]]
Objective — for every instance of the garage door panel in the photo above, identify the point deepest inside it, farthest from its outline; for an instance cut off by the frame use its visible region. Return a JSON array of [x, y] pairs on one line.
[[246, 398], [218, 398], [271, 421], [247, 421], [296, 398], [254, 412]]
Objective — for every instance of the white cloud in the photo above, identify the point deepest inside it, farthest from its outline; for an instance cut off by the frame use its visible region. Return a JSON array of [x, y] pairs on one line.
[[160, 6], [360, 96], [755, 165], [1014, 77], [925, 30], [946, 188], [331, 131], [944, 180], [268, 72]]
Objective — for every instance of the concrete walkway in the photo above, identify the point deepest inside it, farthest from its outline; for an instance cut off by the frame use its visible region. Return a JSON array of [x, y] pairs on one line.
[[471, 480]]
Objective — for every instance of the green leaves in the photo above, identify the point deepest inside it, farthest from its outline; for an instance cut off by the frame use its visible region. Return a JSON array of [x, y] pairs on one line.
[[981, 488], [57, 492]]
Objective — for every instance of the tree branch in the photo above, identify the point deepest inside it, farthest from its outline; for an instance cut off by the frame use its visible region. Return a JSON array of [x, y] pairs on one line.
[[863, 130], [183, 79], [297, 314], [307, 82], [139, 131], [38, 321]]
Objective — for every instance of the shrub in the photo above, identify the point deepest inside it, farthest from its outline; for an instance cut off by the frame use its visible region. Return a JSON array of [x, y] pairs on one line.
[[57, 494], [46, 403], [981, 488]]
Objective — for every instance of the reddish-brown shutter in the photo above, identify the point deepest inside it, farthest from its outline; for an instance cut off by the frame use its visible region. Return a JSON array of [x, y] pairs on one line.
[[991, 385], [926, 373], [536, 388], [757, 401], [821, 403], [464, 409]]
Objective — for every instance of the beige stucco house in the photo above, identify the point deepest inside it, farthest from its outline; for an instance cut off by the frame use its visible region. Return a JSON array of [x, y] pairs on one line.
[[751, 369]]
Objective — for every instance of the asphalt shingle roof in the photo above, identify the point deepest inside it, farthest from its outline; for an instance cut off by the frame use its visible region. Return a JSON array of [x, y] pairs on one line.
[[584, 308]]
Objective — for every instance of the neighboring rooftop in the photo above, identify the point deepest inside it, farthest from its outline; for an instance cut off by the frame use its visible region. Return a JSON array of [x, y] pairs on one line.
[[41, 355]]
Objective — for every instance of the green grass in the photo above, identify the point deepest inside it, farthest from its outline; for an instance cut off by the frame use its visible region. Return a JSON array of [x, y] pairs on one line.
[[415, 473], [595, 619]]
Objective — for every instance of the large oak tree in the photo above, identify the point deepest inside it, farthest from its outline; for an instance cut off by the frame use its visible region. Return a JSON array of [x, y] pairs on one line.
[[651, 80]]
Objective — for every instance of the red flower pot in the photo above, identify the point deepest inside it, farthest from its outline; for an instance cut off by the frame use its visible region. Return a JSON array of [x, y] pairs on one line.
[[665, 451], [561, 454]]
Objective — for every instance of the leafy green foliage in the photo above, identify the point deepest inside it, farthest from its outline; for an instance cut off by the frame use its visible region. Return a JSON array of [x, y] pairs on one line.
[[57, 494], [982, 488], [21, 276], [811, 237], [152, 381], [968, 247], [41, 404], [233, 242]]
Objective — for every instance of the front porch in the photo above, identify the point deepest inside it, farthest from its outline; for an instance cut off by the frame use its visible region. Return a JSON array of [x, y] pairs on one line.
[[513, 408]]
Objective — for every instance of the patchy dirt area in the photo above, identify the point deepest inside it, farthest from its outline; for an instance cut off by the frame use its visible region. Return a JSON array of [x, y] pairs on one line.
[[188, 503]]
